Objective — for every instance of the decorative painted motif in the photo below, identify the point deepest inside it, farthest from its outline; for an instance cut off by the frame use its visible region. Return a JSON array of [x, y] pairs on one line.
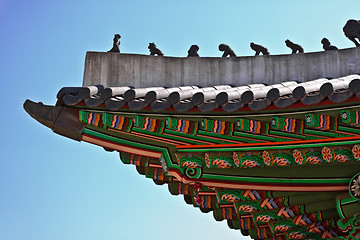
[[267, 157], [90, 118], [252, 126], [322, 122], [183, 126], [351, 226], [344, 155], [263, 217], [354, 186], [118, 122], [287, 124], [299, 156], [251, 161], [236, 159], [229, 196], [193, 172], [150, 124], [192, 161], [328, 154], [221, 163], [350, 117], [245, 207], [217, 126], [297, 222], [356, 152]]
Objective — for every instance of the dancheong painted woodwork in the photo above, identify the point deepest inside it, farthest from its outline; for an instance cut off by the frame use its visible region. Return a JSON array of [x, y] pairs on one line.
[[278, 161]]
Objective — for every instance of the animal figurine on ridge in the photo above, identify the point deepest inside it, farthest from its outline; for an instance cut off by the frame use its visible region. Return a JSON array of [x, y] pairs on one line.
[[259, 49], [327, 45], [227, 50], [296, 48], [352, 31], [116, 43], [193, 51], [154, 50]]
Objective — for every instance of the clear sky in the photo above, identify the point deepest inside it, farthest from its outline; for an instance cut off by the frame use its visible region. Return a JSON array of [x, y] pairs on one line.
[[55, 188]]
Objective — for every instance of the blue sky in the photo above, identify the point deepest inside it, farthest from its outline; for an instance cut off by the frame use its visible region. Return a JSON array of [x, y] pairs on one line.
[[52, 187]]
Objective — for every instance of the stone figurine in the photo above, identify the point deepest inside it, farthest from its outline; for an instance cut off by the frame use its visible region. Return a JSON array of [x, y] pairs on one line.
[[352, 31], [327, 45], [193, 51], [154, 50], [116, 44], [227, 50], [296, 48], [259, 49]]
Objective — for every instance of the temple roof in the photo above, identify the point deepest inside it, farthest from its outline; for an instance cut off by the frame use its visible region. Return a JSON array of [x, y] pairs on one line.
[[275, 158]]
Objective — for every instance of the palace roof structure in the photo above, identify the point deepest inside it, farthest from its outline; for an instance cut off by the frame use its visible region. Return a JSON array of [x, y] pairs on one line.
[[271, 144]]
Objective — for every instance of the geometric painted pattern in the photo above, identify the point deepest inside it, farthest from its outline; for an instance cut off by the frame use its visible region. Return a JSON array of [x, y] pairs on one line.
[[350, 117], [183, 126], [322, 122], [118, 122], [287, 124], [217, 126], [150, 124], [252, 126], [90, 118]]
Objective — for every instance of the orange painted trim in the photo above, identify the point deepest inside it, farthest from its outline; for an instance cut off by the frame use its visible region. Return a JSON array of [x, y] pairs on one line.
[[270, 143], [155, 165], [120, 148], [269, 187], [158, 139]]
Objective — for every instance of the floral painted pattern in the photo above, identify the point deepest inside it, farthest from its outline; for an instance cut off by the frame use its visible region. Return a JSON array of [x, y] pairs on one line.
[[313, 160], [356, 152], [222, 163], [282, 161], [207, 160], [266, 157], [342, 158], [355, 187], [236, 159], [191, 164], [327, 154], [249, 164], [298, 157]]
